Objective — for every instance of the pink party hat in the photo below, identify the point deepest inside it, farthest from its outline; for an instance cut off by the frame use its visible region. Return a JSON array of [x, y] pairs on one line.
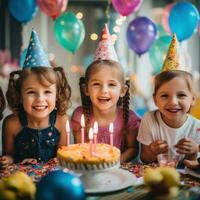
[[105, 49]]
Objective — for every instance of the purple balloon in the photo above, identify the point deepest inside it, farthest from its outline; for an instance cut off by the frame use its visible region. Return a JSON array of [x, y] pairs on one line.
[[141, 33], [126, 7]]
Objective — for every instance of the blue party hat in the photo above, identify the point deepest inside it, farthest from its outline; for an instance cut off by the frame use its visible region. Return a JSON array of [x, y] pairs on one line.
[[35, 56]]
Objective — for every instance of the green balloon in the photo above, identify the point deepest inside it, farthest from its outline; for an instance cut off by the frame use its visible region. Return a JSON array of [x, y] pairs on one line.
[[69, 31], [161, 31], [158, 51]]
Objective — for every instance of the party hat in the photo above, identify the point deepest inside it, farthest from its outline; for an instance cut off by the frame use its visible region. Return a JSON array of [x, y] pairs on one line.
[[172, 61], [35, 56], [105, 49]]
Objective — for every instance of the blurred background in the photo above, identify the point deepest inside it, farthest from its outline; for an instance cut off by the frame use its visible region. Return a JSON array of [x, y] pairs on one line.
[[69, 30]]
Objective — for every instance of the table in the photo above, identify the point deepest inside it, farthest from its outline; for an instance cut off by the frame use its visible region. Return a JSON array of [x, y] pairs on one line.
[[188, 191]]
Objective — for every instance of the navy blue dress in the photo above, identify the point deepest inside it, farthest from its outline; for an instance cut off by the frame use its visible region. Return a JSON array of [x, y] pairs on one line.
[[40, 144]]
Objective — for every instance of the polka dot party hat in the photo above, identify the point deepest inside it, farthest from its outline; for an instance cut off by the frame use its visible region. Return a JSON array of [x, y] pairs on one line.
[[35, 56], [105, 49], [172, 60]]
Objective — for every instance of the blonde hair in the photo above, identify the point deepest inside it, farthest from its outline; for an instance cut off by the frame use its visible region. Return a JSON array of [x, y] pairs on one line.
[[166, 76]]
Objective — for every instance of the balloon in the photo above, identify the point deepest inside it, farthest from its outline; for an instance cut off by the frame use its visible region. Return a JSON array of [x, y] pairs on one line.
[[199, 28], [141, 33], [183, 20], [22, 10], [158, 51], [69, 31], [60, 185], [160, 30], [165, 17], [126, 7], [23, 57], [88, 60], [52, 8]]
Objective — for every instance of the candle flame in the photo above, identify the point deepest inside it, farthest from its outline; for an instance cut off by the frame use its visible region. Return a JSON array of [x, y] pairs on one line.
[[90, 134], [67, 126], [95, 127], [111, 128], [82, 121]]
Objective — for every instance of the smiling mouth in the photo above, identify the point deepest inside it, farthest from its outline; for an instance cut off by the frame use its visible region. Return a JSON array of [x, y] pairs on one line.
[[39, 108], [103, 100], [174, 110]]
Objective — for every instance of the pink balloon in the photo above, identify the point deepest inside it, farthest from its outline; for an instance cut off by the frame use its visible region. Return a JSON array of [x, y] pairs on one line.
[[53, 8], [126, 7], [165, 17]]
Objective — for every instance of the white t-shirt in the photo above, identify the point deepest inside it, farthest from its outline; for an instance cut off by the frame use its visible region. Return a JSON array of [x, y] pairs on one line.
[[153, 128]]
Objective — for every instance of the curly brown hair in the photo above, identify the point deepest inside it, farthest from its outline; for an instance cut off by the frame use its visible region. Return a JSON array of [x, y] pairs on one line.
[[45, 74], [2, 103]]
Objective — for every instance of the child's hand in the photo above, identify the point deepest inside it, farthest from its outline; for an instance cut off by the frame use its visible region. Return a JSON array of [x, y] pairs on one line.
[[159, 146], [5, 161], [187, 146]]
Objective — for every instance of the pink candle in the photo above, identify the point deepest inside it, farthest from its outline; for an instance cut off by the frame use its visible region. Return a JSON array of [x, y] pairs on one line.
[[91, 140], [111, 133], [95, 130], [68, 132], [82, 128]]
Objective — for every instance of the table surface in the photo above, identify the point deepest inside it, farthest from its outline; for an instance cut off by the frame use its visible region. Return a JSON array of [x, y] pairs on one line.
[[187, 191]]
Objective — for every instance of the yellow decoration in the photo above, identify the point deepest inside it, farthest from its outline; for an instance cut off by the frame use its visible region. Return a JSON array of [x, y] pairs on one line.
[[172, 59], [195, 111], [163, 182]]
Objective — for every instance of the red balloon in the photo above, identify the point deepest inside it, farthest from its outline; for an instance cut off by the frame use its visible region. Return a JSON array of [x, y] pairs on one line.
[[126, 7], [53, 8], [165, 17]]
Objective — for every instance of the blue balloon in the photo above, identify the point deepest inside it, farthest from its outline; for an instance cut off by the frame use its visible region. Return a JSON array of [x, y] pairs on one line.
[[60, 185], [183, 20], [22, 10], [141, 33]]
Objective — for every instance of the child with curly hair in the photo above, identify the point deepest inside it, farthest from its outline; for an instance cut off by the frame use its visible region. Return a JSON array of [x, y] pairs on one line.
[[38, 95]]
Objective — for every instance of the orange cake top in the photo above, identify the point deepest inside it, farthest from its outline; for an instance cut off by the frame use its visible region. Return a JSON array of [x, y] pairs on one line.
[[80, 153]]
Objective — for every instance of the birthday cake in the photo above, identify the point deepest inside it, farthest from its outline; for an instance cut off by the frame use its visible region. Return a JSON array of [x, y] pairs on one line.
[[79, 157]]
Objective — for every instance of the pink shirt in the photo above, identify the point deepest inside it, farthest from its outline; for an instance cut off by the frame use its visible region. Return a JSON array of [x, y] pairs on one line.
[[103, 135]]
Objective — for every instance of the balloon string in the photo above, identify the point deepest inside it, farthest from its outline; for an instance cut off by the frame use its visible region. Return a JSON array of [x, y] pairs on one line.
[[107, 12], [70, 58]]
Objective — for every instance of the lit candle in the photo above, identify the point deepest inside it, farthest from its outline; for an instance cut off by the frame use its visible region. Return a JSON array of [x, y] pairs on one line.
[[82, 128], [91, 140], [68, 132], [95, 129], [111, 133]]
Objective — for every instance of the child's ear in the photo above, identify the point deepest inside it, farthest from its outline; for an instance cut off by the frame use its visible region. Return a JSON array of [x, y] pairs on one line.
[[154, 98], [124, 90], [84, 89], [194, 98]]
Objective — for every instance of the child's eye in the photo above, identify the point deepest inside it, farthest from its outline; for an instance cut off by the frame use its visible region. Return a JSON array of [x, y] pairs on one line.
[[48, 92], [31, 92], [182, 95], [95, 84], [112, 84], [164, 96]]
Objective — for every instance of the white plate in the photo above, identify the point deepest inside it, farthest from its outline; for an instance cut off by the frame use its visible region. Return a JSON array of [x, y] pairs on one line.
[[108, 180]]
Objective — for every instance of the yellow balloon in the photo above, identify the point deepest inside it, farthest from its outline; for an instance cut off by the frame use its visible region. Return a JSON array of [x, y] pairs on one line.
[[195, 111]]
